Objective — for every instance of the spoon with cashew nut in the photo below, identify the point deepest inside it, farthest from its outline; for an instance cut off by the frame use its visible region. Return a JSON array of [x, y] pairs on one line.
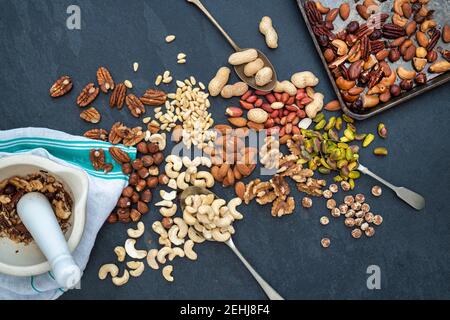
[[251, 81], [270, 292]]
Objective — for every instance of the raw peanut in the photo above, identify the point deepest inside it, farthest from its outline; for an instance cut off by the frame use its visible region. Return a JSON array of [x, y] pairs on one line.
[[252, 99], [253, 67], [264, 76], [291, 100], [257, 115], [219, 81], [235, 90], [259, 102], [285, 86], [255, 126], [234, 112], [267, 29], [271, 98], [344, 11], [267, 107], [238, 122], [246, 105], [242, 57], [246, 95], [333, 106]]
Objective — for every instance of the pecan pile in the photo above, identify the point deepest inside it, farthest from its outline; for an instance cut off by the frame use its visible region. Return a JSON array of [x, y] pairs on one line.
[[12, 189], [367, 57]]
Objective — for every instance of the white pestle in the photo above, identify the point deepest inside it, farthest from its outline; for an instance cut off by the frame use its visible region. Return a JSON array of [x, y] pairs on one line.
[[37, 215]]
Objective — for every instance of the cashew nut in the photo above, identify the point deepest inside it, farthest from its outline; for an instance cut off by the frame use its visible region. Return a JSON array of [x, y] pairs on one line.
[[137, 268], [164, 203], [168, 212], [182, 226], [167, 273], [120, 281], [131, 250], [173, 236], [136, 233], [159, 229], [188, 217], [181, 183], [162, 253], [205, 161], [160, 139], [217, 204], [405, 74], [106, 269], [170, 172], [176, 252], [169, 196], [176, 161], [223, 222], [206, 177], [188, 250], [219, 236], [194, 236], [172, 184], [120, 253], [232, 204], [151, 259], [165, 242]]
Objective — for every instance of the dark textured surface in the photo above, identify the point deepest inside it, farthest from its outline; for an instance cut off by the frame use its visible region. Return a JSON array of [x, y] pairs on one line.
[[411, 248]]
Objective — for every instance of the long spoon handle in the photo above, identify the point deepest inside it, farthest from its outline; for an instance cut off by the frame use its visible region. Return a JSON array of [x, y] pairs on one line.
[[270, 292], [199, 4], [412, 198]]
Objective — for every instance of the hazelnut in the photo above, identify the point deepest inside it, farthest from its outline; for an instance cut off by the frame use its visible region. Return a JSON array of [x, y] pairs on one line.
[[152, 182], [329, 55], [377, 220], [307, 202], [135, 197], [163, 179], [127, 168], [335, 212], [147, 161], [153, 147], [153, 170], [143, 173], [348, 200], [343, 208], [356, 206], [146, 196], [333, 188], [421, 78], [395, 90], [158, 158], [356, 233], [113, 218], [349, 222], [142, 147], [359, 221], [331, 203], [370, 232], [135, 215], [345, 186], [325, 242], [142, 207], [167, 222], [123, 215], [376, 191], [365, 207], [137, 164], [324, 221], [127, 192], [406, 85], [350, 213], [124, 202], [359, 214], [327, 194], [141, 185], [352, 27], [432, 56], [134, 179], [368, 217]]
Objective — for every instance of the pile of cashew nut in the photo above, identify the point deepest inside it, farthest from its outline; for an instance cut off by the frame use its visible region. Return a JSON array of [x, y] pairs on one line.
[[181, 179]]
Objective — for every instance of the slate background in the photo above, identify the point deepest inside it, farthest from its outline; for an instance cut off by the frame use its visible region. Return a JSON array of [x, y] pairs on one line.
[[411, 248]]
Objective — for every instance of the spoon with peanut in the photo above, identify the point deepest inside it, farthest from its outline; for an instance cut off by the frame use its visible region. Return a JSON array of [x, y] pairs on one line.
[[265, 78], [270, 292]]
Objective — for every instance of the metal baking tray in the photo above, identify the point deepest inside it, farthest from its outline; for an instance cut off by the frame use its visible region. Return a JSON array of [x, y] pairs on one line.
[[441, 16]]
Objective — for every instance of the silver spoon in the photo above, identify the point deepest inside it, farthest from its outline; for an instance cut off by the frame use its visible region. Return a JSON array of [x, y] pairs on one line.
[[412, 198], [240, 69], [270, 292]]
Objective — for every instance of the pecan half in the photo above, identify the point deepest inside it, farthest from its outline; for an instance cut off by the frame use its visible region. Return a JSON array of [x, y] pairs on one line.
[[62, 86], [392, 31], [434, 38], [91, 115], [105, 81], [154, 97], [89, 93], [119, 155], [135, 105], [96, 134], [97, 158], [118, 96], [114, 137], [313, 14]]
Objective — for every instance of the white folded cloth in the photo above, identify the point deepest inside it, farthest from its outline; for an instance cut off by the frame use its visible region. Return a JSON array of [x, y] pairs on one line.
[[104, 191]]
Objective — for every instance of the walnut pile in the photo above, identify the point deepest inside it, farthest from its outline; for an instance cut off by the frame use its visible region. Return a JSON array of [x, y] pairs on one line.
[[12, 189]]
